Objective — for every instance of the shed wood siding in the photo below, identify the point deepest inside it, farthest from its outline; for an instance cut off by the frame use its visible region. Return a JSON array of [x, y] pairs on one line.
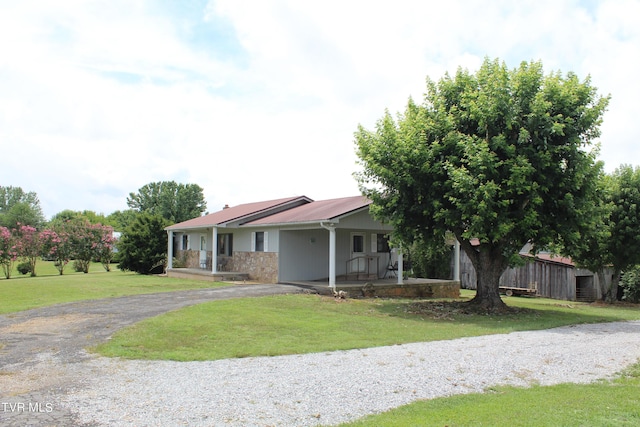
[[553, 280]]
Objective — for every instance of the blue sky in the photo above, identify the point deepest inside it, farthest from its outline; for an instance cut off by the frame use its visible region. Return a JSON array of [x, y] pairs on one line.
[[254, 100]]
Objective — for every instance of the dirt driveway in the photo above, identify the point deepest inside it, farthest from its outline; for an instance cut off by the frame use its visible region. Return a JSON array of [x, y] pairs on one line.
[[42, 350]]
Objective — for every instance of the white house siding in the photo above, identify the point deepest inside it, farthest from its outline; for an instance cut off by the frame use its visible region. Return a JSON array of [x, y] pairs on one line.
[[362, 221], [304, 255], [242, 238]]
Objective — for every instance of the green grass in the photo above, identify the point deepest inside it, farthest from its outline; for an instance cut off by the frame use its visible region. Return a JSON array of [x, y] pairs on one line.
[[48, 287], [604, 403], [294, 324]]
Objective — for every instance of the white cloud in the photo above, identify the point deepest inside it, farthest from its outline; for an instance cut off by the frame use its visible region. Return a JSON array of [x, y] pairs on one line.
[[259, 99]]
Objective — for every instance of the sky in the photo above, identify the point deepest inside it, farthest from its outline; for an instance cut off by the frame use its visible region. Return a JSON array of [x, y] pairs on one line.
[[259, 100]]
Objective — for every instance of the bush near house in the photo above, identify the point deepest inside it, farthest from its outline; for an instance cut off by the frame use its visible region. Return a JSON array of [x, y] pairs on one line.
[[630, 284]]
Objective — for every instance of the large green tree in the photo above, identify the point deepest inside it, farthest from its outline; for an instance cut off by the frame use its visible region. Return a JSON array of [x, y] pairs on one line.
[[20, 207], [173, 201], [500, 157], [612, 238]]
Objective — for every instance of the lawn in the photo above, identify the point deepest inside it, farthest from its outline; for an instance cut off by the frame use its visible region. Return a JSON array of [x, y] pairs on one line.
[[294, 324], [48, 287], [309, 323], [604, 403]]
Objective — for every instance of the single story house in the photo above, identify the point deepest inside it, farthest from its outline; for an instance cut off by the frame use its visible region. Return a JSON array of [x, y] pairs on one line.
[[286, 240]]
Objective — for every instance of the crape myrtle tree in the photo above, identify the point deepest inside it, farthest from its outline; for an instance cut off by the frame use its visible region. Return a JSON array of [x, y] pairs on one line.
[[90, 242], [8, 251], [72, 236], [500, 157], [29, 245]]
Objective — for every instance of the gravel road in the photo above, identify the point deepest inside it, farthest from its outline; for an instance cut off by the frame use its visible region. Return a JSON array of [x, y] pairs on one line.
[[58, 385]]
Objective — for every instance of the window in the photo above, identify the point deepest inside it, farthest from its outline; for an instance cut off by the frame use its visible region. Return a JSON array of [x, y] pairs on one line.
[[382, 243], [185, 242], [203, 243], [259, 241], [225, 244], [358, 243]]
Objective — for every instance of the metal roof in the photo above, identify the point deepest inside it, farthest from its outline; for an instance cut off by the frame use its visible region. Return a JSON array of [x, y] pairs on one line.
[[238, 213], [321, 210]]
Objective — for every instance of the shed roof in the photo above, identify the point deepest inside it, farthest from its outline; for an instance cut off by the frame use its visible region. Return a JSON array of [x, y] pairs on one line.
[[237, 213]]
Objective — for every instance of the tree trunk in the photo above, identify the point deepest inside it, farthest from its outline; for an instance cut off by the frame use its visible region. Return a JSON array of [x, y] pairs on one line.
[[489, 263], [610, 293]]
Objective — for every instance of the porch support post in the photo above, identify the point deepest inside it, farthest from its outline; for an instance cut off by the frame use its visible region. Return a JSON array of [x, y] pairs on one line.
[[400, 267], [332, 254], [214, 250], [456, 261], [169, 249]]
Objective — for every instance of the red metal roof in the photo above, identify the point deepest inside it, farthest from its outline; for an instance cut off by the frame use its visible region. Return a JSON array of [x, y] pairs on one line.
[[552, 258], [321, 210], [236, 213]]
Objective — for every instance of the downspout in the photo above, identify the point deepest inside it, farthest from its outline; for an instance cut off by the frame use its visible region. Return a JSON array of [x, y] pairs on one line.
[[332, 253]]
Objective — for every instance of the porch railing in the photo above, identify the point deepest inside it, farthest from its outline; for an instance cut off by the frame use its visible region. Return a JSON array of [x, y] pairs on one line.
[[363, 273]]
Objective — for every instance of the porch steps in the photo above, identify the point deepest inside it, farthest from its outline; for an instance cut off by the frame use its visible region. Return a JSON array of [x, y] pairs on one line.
[[207, 275]]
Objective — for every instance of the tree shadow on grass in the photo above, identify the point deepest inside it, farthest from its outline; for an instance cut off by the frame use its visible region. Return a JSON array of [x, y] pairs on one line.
[[512, 318]]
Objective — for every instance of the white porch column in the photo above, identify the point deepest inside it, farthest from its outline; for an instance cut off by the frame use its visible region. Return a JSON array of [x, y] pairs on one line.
[[456, 261], [400, 267], [332, 258], [332, 254], [214, 250], [169, 249]]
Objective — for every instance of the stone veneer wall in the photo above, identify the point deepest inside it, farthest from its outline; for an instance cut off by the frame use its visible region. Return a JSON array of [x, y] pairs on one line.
[[191, 258], [261, 266], [445, 289]]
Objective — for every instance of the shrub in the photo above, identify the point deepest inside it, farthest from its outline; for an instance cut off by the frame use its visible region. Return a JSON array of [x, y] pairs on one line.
[[630, 283], [24, 268], [81, 266], [143, 244]]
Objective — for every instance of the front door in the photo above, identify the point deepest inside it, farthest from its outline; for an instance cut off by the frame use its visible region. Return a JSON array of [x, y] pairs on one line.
[[358, 265]]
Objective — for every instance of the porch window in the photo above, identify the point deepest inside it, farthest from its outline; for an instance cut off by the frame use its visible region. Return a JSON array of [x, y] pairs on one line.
[[225, 244], [380, 243], [358, 243], [185, 242]]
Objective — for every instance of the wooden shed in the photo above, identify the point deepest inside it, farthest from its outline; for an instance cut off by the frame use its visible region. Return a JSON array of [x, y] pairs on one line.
[[552, 277]]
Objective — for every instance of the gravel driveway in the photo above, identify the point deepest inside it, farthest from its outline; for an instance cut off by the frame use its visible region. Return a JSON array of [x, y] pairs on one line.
[[42, 354], [46, 378]]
